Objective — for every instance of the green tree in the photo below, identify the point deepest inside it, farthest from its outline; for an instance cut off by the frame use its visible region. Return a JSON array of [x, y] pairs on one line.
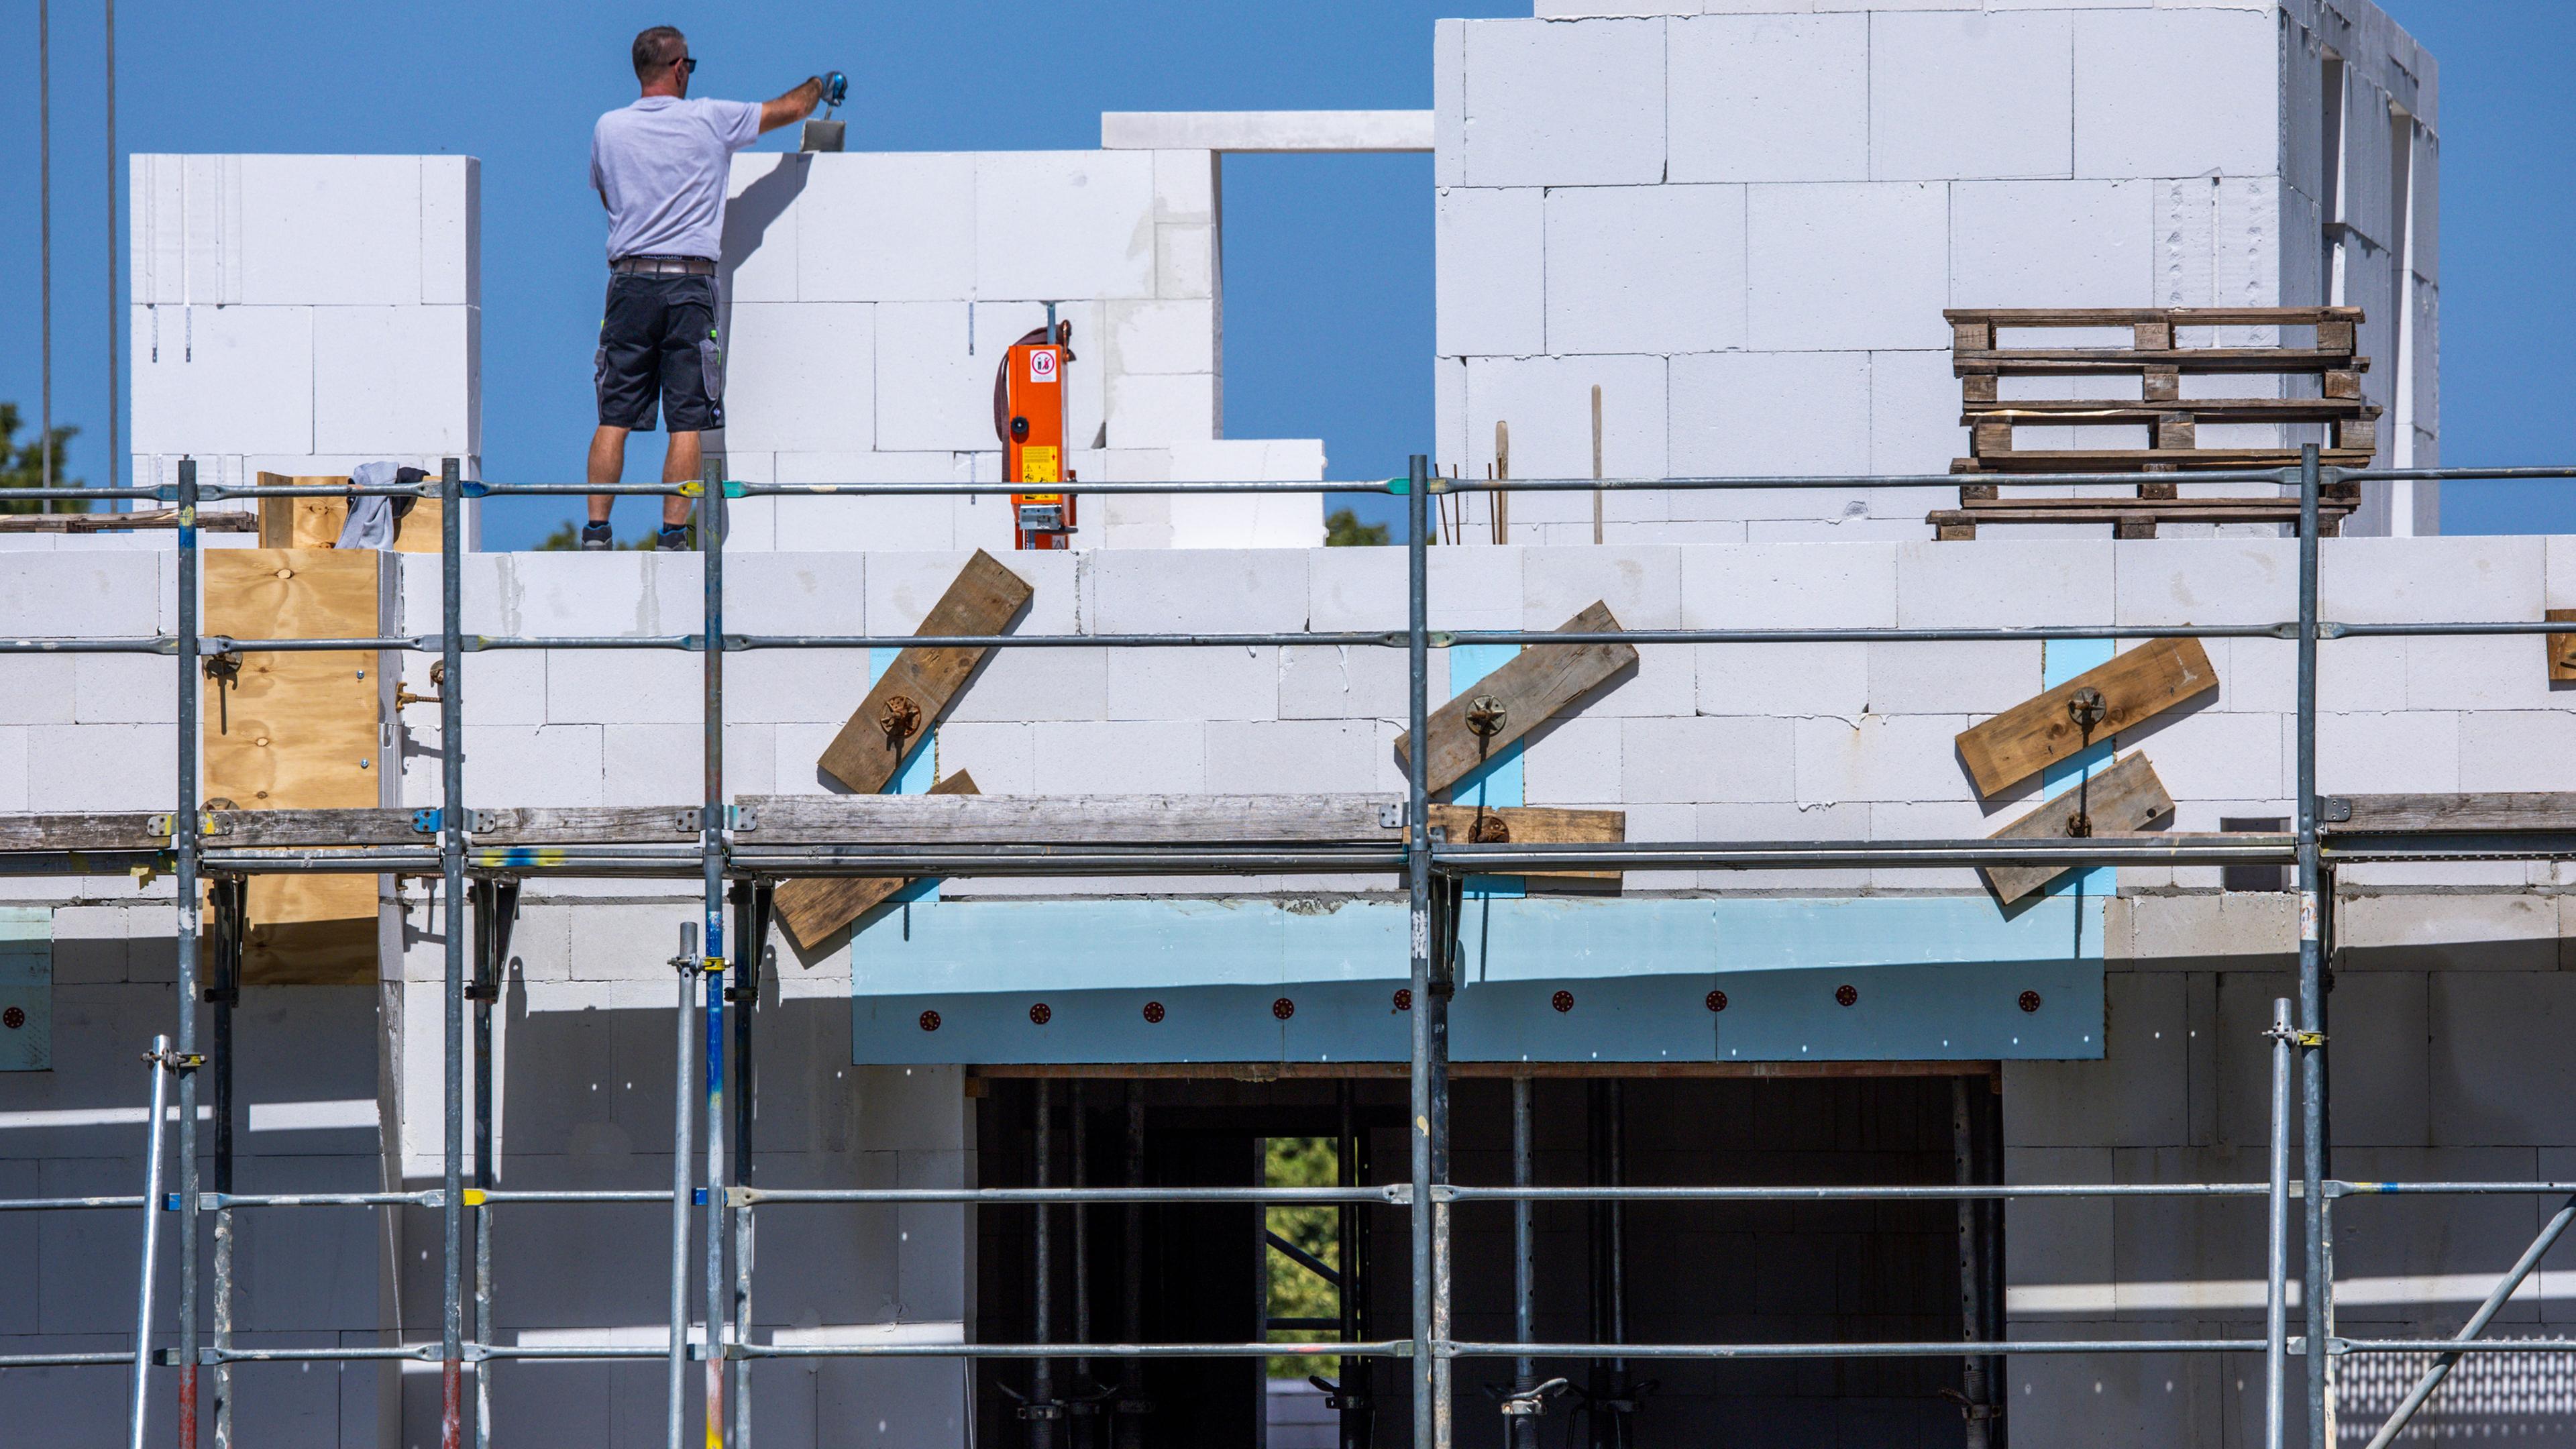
[[22, 465], [1343, 529], [1295, 1291]]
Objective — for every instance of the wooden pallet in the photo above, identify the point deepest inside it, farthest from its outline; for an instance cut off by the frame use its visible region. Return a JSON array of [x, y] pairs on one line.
[[2172, 420]]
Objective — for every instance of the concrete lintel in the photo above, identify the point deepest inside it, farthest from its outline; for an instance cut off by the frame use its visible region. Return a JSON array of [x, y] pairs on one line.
[[1325, 131]]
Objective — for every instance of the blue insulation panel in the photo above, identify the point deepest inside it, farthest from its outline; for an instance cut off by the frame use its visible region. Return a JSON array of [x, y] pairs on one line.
[[1542, 978], [26, 989]]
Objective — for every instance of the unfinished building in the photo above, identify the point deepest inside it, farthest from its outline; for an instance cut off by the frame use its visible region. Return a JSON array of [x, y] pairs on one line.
[[1858, 986]]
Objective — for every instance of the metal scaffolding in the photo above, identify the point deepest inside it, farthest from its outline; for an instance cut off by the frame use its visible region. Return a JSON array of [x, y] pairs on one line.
[[483, 884]]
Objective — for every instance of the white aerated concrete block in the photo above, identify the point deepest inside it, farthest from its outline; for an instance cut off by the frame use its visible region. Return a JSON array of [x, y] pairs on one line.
[[451, 230], [903, 524], [1161, 336], [2003, 583], [2422, 751], [801, 377], [1781, 822], [1770, 414], [540, 765], [2125, 121], [1363, 588], [1573, 761], [2186, 242], [1185, 684], [76, 593], [1341, 681], [2510, 750], [38, 688], [2079, 243], [2501, 672], [2452, 580], [1185, 261], [16, 783], [935, 363], [1037, 684], [1969, 95], [2206, 581], [1185, 188], [1490, 249], [1292, 756], [1642, 585], [1126, 758], [329, 230], [1770, 98], [1151, 410], [1914, 419], [1847, 265], [1645, 269], [1552, 103], [1788, 586], [97, 766], [571, 593], [1784, 679], [1198, 591], [396, 380], [1883, 757], [623, 686], [1002, 757], [888, 227], [759, 260], [222, 379], [2208, 754], [124, 689], [797, 593], [1448, 103], [1682, 761], [1964, 678], [1547, 402], [665, 764], [1052, 224]]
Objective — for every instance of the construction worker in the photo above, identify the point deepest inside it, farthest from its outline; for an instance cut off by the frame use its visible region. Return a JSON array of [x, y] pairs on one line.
[[659, 167]]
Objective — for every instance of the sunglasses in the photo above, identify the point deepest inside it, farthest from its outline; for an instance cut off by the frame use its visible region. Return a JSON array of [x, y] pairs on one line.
[[687, 63]]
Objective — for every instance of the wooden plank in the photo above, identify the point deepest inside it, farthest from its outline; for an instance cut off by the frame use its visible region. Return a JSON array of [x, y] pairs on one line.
[[2094, 412], [2122, 800], [316, 522], [2130, 362], [2172, 510], [2478, 810], [126, 830], [984, 599], [1074, 819], [1538, 825], [298, 731], [2562, 648], [1972, 336], [2132, 316], [2133, 460], [812, 909], [1532, 686], [211, 522], [2135, 687]]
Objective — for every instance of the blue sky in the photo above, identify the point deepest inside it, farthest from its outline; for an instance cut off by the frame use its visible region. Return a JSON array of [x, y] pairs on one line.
[[1328, 259]]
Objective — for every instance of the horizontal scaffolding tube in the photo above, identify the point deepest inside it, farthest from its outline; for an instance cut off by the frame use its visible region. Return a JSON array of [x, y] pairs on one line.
[[1938, 1191], [1944, 1348], [1396, 1193]]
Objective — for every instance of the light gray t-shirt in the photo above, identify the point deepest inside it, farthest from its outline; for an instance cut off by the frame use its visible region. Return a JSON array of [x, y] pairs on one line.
[[660, 165]]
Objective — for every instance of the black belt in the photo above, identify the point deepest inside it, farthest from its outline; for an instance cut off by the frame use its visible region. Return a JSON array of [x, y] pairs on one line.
[[664, 266]]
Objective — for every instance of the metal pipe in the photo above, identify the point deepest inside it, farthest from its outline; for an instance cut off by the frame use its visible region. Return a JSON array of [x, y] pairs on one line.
[[1523, 1424], [183, 838], [1428, 1425], [116, 321], [224, 994], [1081, 1240], [1128, 1422], [1351, 1427], [1041, 1405], [451, 869], [1974, 1391], [138, 1413], [2311, 961], [751, 934], [1938, 1348], [714, 834], [684, 965], [2276, 1252]]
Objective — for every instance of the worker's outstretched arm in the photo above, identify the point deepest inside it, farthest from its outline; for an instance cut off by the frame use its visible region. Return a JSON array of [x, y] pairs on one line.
[[794, 106]]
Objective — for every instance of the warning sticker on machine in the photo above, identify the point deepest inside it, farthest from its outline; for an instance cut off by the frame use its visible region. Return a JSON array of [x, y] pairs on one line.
[[1040, 465], [1042, 364]]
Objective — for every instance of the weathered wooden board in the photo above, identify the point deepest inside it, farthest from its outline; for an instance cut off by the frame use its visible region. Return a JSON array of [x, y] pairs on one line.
[[1073, 819], [316, 522], [298, 731], [813, 909], [1537, 825], [2134, 316], [2135, 686], [1532, 686], [2562, 648], [2122, 800], [984, 600], [127, 830], [209, 521], [2483, 810]]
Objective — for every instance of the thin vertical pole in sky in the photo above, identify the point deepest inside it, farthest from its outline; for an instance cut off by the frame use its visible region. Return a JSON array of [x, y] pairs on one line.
[[115, 323], [45, 236]]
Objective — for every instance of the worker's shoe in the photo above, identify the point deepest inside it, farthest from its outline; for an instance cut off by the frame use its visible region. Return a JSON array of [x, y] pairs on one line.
[[595, 537], [674, 538]]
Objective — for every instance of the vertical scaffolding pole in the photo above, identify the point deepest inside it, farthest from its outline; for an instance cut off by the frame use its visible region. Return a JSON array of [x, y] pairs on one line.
[[451, 870], [115, 323], [1966, 1162], [224, 994], [751, 933], [1523, 1423], [2276, 1212], [1430, 1419], [1350, 1381], [1082, 1263], [1127, 1429], [2312, 1062], [676, 1387], [183, 840], [139, 1412], [496, 904], [712, 833], [1041, 1405]]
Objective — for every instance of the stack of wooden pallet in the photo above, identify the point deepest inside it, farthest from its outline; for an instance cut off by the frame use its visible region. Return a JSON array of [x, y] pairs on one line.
[[2154, 356]]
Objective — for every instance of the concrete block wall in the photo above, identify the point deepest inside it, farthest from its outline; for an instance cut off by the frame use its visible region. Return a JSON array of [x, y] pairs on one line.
[[1741, 219], [871, 297], [304, 314]]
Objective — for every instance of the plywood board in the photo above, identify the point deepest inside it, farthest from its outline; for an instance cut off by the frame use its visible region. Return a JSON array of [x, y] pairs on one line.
[[316, 522], [2122, 800], [298, 731], [985, 598], [2562, 648], [2135, 686], [1538, 682], [813, 909]]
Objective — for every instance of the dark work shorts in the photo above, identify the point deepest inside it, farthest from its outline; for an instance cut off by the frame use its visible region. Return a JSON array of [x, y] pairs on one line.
[[657, 338]]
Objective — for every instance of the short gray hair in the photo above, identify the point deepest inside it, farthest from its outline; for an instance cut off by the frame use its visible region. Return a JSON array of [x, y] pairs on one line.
[[656, 48]]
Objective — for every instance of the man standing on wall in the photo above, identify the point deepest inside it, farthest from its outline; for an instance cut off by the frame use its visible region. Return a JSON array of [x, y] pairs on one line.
[[659, 167]]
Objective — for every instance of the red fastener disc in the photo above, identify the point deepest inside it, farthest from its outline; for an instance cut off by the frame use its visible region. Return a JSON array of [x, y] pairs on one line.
[[2030, 1001], [1717, 1001], [1153, 1011], [930, 1021], [1846, 995], [13, 1018], [1562, 1001], [1041, 1013], [1404, 998], [1283, 1008]]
